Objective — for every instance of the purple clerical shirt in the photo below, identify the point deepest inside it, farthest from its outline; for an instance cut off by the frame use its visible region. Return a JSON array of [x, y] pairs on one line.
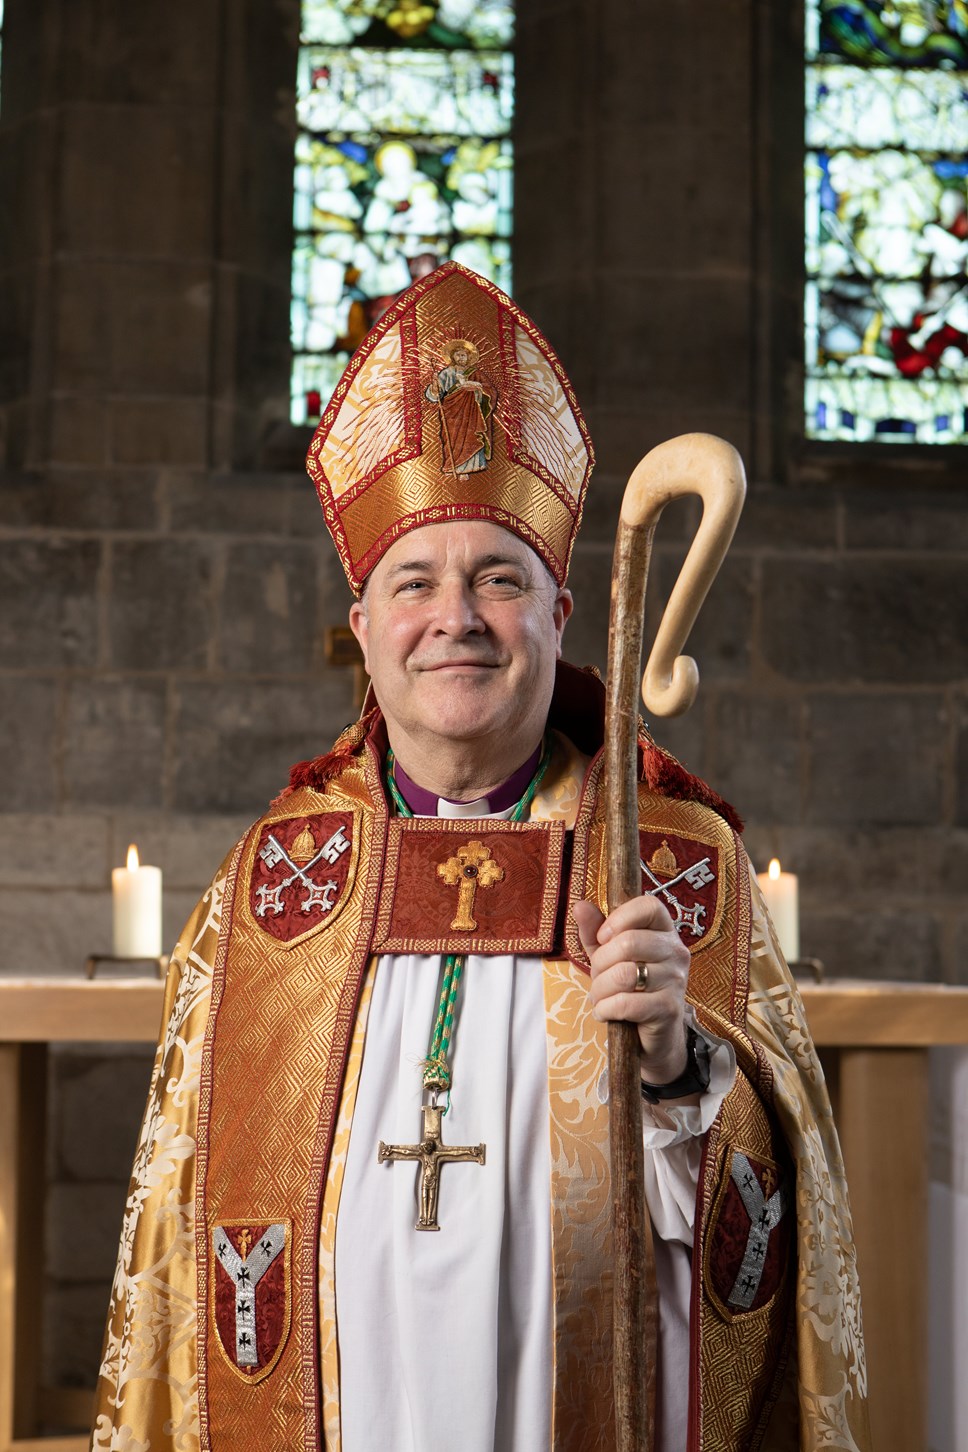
[[423, 803]]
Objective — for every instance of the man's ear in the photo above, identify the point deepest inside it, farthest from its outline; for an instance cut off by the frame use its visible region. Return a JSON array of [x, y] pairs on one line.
[[563, 606], [360, 626]]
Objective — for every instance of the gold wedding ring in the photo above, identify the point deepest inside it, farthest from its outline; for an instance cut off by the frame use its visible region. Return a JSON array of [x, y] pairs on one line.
[[641, 977]]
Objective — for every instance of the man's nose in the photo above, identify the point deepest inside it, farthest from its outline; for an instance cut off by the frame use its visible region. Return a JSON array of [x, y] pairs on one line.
[[457, 610]]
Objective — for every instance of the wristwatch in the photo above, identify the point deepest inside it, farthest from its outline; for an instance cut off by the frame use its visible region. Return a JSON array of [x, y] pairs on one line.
[[694, 1078]]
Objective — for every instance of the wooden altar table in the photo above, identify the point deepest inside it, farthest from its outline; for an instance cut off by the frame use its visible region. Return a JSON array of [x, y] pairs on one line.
[[874, 1039], [33, 1014]]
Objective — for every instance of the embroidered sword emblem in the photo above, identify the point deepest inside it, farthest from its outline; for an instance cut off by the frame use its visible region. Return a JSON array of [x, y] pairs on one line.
[[697, 875], [765, 1214], [318, 895], [245, 1276]]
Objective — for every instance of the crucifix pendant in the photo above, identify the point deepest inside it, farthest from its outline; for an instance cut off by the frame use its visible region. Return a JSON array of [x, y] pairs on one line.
[[430, 1153]]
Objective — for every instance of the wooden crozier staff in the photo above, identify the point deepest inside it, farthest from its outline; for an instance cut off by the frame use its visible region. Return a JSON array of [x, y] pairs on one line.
[[692, 464]]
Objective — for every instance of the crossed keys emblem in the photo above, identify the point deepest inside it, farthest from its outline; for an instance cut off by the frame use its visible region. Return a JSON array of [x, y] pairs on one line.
[[698, 875], [318, 894]]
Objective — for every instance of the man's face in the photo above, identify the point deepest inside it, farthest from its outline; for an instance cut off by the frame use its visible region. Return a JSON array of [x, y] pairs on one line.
[[460, 628]]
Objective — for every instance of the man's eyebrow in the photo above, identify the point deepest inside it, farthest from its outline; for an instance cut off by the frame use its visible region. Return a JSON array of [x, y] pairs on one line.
[[486, 562], [405, 565]]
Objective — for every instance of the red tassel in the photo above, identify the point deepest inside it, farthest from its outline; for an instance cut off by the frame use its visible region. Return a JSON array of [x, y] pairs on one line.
[[320, 770], [666, 776]]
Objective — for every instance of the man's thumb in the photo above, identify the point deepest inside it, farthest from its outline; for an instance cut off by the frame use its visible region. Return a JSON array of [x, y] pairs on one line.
[[588, 920]]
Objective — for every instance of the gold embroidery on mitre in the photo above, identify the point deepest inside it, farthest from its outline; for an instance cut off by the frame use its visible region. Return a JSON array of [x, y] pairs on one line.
[[454, 407], [663, 861], [470, 867], [303, 848]]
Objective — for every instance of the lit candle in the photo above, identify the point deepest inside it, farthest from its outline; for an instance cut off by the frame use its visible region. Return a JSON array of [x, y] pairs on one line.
[[782, 894], [137, 909]]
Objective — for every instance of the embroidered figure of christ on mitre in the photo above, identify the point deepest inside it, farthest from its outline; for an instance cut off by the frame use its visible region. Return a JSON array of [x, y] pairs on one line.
[[454, 407], [370, 1206]]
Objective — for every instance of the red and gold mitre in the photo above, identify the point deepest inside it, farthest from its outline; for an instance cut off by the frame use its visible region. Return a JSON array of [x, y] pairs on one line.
[[453, 407]]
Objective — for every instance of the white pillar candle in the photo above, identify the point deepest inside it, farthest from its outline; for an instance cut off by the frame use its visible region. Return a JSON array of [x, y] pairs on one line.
[[137, 909], [782, 894]]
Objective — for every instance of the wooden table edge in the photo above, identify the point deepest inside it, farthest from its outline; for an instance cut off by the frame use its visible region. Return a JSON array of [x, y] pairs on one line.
[[79, 1010], [862, 1014], [843, 1013]]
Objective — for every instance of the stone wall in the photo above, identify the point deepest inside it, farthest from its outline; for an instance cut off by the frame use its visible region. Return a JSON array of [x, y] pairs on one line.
[[164, 580]]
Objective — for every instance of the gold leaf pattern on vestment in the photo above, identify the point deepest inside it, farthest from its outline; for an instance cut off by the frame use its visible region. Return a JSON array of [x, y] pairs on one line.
[[328, 1329], [580, 1173], [148, 1392], [832, 1365]]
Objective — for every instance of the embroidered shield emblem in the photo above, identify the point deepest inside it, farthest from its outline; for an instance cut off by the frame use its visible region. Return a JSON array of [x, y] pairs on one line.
[[748, 1249], [250, 1294], [302, 873], [684, 874]]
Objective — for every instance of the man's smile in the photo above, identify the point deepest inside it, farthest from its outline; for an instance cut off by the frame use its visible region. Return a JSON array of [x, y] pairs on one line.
[[459, 665]]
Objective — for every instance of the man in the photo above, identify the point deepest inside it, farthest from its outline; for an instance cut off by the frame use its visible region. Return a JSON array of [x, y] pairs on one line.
[[370, 1205]]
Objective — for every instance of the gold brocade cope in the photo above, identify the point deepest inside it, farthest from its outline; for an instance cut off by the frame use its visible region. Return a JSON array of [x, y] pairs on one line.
[[272, 1074], [148, 1384], [825, 1388], [454, 407], [581, 1210], [239, 1128], [328, 1343]]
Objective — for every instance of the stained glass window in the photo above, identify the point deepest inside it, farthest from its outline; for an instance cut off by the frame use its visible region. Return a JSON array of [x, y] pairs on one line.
[[403, 159], [886, 306]]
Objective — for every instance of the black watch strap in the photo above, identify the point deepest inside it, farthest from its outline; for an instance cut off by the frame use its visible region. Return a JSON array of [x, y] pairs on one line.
[[694, 1078]]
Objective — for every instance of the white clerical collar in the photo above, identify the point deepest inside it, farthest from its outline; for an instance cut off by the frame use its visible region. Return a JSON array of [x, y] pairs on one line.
[[479, 808]]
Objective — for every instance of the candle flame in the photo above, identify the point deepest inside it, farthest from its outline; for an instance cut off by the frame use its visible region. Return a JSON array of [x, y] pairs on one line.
[[774, 868], [133, 863]]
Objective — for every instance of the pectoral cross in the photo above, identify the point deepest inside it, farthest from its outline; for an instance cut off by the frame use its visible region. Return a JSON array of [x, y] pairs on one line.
[[470, 867], [430, 1153]]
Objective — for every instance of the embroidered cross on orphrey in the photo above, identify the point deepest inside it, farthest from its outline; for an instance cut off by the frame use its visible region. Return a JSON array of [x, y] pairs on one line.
[[471, 867]]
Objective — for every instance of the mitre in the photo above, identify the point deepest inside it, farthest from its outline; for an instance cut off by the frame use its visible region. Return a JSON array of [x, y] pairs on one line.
[[454, 407]]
